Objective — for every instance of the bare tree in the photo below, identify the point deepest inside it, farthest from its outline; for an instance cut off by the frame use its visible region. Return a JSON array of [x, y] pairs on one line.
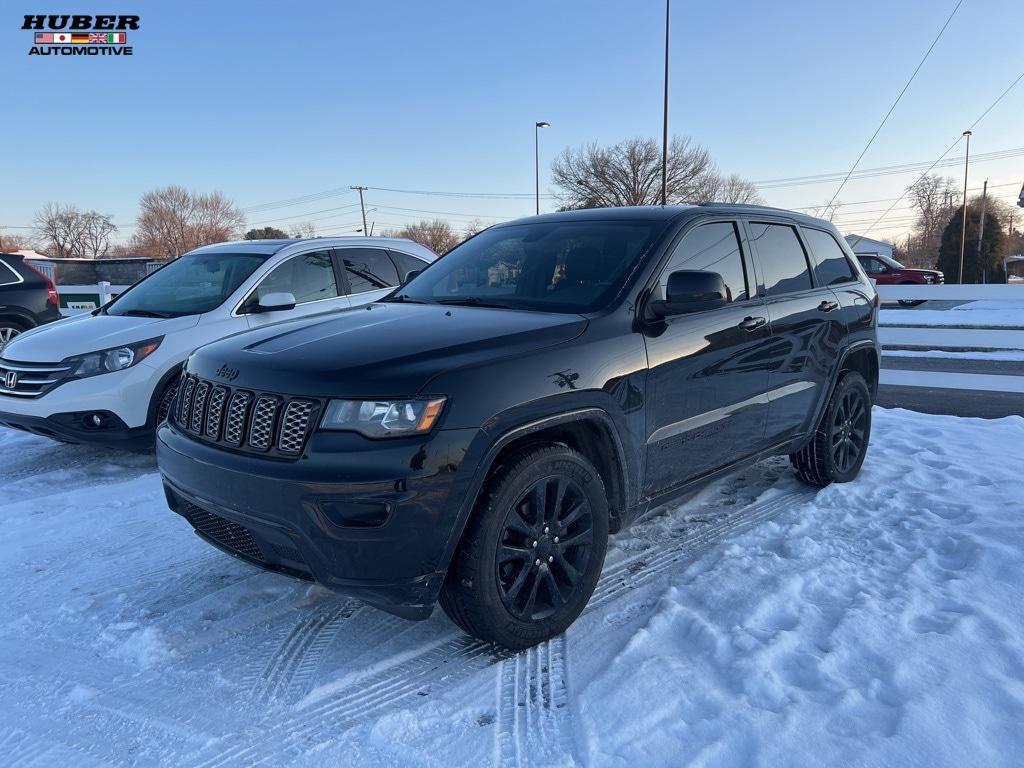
[[734, 189], [173, 220], [70, 233], [96, 230], [935, 198], [474, 227], [11, 243], [827, 211], [437, 235], [629, 173], [305, 229]]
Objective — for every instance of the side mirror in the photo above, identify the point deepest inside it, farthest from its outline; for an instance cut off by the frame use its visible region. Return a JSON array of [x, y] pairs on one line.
[[691, 291], [411, 275], [276, 302]]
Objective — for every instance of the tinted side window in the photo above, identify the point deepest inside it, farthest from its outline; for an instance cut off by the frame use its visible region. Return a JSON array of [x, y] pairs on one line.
[[308, 277], [832, 267], [368, 269], [8, 275], [406, 264], [870, 264], [712, 248], [782, 258]]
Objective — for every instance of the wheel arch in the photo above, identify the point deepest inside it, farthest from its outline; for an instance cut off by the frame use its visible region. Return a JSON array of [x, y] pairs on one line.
[[589, 431]]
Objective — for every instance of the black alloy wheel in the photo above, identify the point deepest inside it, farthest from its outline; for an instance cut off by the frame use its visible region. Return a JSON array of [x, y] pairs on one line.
[[544, 548], [849, 430]]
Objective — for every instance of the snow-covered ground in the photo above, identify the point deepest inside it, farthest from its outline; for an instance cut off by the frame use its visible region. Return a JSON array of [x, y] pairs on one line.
[[1004, 355], [877, 623], [983, 314]]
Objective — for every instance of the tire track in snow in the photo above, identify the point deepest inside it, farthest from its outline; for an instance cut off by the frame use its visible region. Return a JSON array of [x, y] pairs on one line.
[[532, 685], [451, 661], [534, 716], [296, 658]]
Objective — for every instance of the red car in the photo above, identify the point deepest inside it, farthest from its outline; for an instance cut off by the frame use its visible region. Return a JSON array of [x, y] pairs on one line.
[[886, 271]]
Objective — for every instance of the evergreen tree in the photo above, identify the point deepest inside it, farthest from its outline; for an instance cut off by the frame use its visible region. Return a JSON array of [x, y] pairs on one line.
[[993, 247]]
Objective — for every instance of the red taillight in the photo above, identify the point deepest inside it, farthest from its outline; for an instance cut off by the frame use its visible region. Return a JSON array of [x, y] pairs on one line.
[[52, 297]]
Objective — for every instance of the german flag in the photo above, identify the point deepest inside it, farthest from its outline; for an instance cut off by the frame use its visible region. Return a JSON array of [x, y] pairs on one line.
[[83, 39]]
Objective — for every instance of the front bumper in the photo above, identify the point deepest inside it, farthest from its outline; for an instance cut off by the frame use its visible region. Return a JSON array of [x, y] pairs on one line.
[[73, 427], [373, 519], [126, 394]]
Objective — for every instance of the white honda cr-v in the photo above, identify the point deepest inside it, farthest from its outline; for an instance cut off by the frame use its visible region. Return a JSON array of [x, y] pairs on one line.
[[109, 376]]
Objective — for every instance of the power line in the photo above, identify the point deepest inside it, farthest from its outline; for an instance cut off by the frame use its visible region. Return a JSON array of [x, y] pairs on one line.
[[891, 108], [948, 150]]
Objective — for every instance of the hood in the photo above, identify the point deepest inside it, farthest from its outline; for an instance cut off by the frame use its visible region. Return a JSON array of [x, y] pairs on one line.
[[386, 349], [84, 333], [906, 270]]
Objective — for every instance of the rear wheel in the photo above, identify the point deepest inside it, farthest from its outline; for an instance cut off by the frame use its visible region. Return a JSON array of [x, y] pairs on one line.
[[533, 550], [8, 330], [837, 449]]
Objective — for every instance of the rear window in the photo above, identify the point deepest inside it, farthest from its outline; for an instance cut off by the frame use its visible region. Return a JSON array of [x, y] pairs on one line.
[[782, 258], [368, 269], [8, 274], [406, 264], [832, 266]]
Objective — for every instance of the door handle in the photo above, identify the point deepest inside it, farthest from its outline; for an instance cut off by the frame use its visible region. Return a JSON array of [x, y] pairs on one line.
[[828, 306], [752, 323]]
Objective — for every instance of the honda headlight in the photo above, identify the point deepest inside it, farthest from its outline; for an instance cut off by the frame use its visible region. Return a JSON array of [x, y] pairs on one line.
[[116, 359], [383, 418]]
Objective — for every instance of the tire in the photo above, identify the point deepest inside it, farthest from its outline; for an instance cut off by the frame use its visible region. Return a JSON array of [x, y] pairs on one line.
[[541, 581], [836, 451], [165, 400], [8, 330], [910, 302]]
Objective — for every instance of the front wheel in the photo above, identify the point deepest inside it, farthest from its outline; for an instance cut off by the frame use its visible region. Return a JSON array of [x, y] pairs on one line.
[[532, 552], [836, 451], [8, 330]]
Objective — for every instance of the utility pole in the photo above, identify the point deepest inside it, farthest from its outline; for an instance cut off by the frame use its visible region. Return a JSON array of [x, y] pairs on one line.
[[664, 127], [981, 232], [362, 207], [963, 229]]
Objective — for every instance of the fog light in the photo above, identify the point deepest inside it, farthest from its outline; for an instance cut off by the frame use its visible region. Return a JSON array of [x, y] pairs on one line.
[[352, 514], [97, 420]]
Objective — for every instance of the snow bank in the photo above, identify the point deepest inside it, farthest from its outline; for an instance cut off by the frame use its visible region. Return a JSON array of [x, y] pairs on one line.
[[762, 623]]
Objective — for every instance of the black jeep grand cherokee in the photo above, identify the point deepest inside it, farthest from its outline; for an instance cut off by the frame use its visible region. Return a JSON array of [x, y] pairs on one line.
[[477, 435]]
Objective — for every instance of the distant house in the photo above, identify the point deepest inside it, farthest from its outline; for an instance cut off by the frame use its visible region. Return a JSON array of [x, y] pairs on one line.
[[869, 247]]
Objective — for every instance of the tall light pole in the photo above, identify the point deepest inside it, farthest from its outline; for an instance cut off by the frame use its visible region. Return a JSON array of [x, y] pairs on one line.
[[981, 233], [536, 160], [963, 228], [664, 126]]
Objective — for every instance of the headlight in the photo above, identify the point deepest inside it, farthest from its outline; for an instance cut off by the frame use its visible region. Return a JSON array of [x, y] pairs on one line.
[[929, 279], [117, 359], [383, 418]]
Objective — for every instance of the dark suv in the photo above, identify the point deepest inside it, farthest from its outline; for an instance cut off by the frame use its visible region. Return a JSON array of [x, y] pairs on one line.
[[27, 298], [476, 435]]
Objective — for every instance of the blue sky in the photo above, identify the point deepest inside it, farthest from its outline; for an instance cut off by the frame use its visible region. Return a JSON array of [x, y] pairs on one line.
[[269, 105]]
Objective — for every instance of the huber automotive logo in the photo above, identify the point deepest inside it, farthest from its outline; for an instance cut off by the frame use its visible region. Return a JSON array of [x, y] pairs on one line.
[[64, 34]]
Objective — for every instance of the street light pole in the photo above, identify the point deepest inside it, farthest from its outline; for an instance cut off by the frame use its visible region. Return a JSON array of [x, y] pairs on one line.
[[664, 126], [963, 228], [536, 160]]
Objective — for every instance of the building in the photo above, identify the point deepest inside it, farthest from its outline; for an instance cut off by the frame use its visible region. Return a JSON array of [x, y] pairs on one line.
[[869, 247]]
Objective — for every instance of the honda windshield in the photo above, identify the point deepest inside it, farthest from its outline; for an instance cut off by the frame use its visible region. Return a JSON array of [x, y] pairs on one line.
[[190, 285], [576, 266]]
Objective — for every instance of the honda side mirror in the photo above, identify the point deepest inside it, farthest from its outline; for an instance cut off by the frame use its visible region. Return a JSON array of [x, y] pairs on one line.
[[276, 302]]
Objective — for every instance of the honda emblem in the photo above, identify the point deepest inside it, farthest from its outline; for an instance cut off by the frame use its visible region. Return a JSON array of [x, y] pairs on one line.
[[11, 380]]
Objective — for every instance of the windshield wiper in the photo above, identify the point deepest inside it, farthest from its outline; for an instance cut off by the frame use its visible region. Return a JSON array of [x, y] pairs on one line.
[[406, 299], [145, 313], [475, 301]]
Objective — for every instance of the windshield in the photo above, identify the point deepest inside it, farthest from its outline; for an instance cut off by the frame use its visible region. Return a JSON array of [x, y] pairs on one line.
[[189, 285], [552, 266], [890, 263]]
